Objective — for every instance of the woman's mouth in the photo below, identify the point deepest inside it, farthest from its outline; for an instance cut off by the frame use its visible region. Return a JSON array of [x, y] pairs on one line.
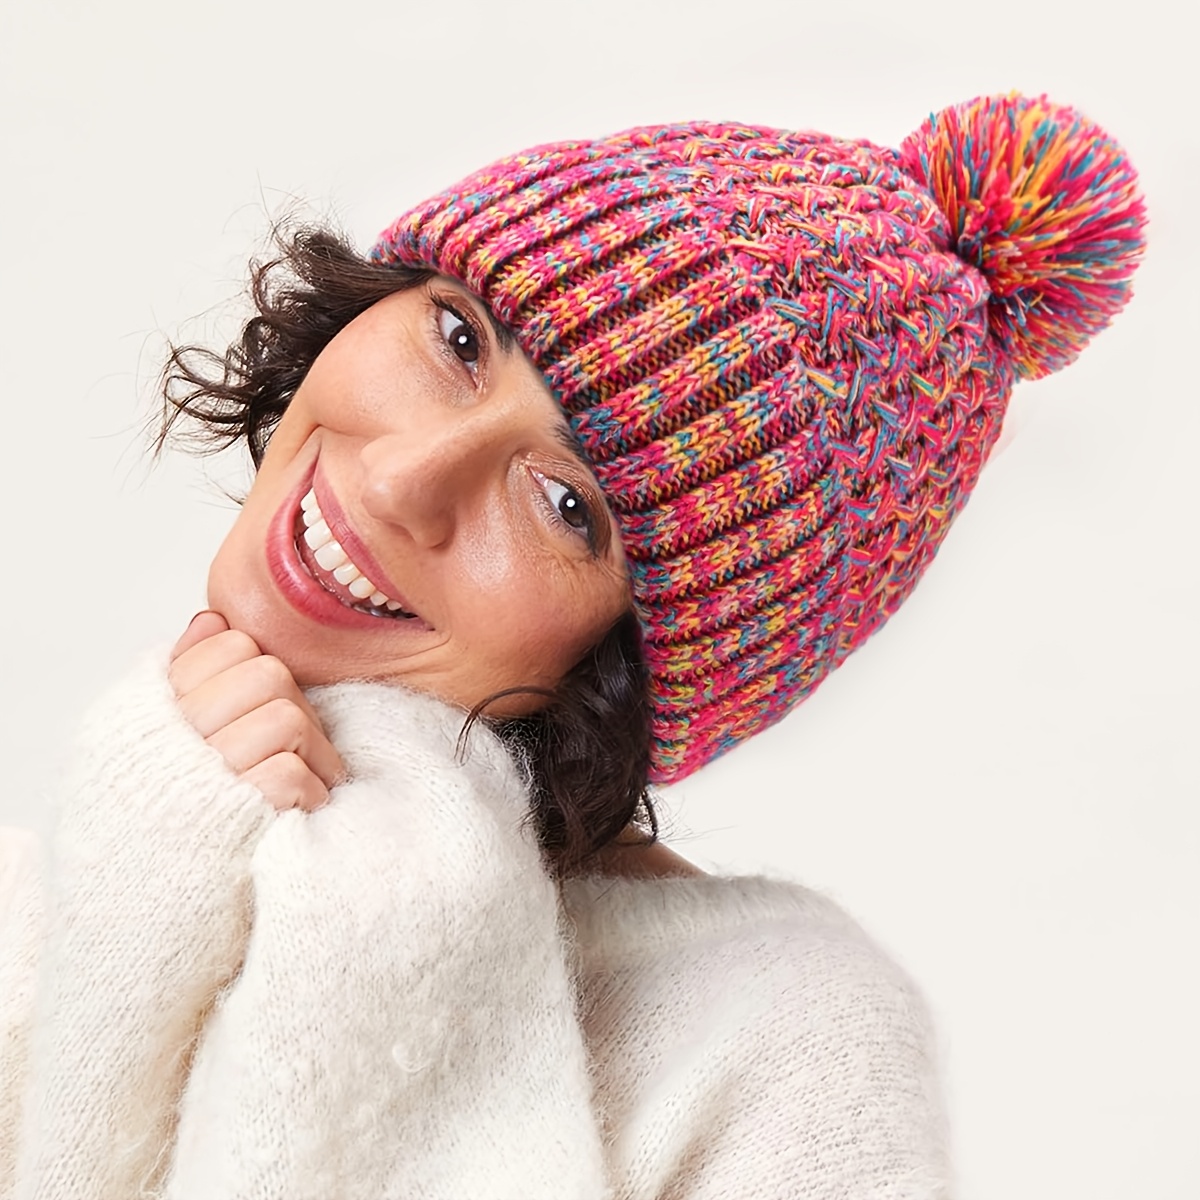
[[324, 558]]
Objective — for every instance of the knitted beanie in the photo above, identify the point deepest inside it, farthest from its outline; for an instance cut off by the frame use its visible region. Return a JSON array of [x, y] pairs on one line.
[[787, 357]]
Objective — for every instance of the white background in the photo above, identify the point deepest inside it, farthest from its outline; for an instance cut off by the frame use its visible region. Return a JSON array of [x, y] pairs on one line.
[[1001, 785]]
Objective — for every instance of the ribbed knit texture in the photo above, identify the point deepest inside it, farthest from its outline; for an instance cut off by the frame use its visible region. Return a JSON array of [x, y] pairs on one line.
[[787, 357], [388, 999]]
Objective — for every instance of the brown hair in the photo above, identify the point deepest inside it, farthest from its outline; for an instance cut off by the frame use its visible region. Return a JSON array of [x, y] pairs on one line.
[[586, 751]]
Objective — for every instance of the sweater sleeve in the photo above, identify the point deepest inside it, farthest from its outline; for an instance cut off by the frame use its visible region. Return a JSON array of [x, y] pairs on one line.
[[147, 892], [404, 1022]]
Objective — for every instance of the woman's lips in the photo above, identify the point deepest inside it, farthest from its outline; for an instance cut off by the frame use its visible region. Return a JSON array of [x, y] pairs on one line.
[[328, 563], [339, 591], [335, 518], [298, 581]]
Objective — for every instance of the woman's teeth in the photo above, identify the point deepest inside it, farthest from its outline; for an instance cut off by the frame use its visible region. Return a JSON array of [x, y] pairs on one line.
[[331, 557]]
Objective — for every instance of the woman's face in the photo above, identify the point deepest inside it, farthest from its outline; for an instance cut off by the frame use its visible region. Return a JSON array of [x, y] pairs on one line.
[[456, 540]]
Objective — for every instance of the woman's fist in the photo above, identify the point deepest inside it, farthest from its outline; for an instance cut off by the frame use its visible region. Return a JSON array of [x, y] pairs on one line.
[[247, 705]]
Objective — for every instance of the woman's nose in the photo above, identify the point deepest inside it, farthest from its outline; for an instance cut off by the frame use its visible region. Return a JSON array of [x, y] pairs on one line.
[[423, 481]]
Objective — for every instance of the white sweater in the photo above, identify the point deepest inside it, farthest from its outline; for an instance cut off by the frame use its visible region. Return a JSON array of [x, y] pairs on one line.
[[389, 997]]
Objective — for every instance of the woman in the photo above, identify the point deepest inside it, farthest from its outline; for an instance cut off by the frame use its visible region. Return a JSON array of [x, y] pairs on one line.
[[618, 448]]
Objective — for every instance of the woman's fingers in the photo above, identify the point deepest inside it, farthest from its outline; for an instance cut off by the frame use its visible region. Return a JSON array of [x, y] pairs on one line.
[[276, 727], [238, 690], [241, 678], [286, 782], [204, 625], [204, 660], [247, 705]]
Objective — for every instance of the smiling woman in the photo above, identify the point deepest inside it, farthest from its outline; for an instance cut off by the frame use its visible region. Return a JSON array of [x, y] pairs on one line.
[[438, 477], [594, 467], [422, 474]]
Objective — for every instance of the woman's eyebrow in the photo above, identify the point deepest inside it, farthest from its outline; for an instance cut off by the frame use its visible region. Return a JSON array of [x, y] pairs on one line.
[[504, 336], [569, 442]]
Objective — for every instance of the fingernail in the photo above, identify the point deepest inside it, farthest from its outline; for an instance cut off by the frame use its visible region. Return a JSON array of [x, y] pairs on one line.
[[199, 615]]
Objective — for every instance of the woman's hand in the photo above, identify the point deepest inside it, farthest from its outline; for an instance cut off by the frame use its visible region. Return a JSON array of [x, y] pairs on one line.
[[247, 705]]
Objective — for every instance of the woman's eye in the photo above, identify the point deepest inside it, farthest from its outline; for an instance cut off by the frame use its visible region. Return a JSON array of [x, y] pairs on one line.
[[459, 336], [568, 503]]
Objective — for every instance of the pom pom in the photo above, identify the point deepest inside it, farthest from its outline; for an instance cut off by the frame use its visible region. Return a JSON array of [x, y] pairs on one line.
[[1046, 205]]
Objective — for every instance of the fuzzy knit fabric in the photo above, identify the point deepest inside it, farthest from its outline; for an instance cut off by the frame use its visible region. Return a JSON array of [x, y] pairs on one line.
[[390, 998], [787, 357], [21, 923]]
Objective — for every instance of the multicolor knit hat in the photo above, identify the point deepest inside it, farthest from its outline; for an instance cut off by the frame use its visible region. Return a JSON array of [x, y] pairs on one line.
[[788, 356]]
